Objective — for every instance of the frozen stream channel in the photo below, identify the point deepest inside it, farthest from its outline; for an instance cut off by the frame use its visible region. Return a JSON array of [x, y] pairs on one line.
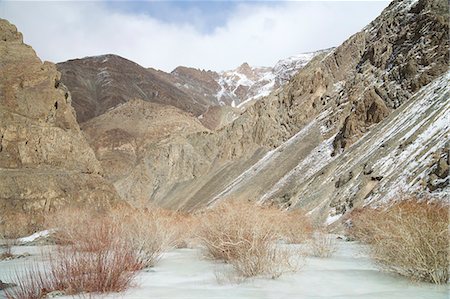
[[184, 274]]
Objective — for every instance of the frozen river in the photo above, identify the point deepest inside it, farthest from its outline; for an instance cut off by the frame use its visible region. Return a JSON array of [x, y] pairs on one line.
[[184, 274]]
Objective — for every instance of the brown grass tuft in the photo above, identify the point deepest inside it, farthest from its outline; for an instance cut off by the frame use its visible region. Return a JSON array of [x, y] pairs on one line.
[[409, 237], [149, 232]]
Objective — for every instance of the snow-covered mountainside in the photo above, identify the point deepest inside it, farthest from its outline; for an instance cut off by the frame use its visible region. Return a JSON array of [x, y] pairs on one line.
[[246, 83], [286, 68], [409, 150]]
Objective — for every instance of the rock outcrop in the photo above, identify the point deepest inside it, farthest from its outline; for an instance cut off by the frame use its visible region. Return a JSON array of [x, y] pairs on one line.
[[406, 152], [45, 161]]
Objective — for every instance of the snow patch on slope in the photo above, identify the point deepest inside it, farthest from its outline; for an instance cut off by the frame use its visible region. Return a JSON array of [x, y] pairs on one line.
[[433, 137], [265, 161]]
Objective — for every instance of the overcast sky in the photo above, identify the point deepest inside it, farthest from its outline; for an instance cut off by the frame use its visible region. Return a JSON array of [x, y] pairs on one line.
[[209, 34]]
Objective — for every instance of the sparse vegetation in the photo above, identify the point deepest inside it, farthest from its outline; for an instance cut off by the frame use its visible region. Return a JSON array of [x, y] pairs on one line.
[[6, 244], [409, 237], [75, 268], [99, 252], [149, 232], [321, 244], [11, 233], [294, 226], [245, 236], [6, 248]]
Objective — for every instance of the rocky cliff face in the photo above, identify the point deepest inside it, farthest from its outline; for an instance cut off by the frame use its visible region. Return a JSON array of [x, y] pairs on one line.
[[406, 48], [45, 161], [407, 151]]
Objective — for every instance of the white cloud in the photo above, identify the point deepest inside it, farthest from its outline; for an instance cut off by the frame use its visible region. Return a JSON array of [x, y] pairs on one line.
[[259, 34]]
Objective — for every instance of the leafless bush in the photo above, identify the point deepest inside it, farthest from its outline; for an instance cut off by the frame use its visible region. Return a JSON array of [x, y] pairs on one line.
[[6, 245], [33, 284], [321, 244], [149, 232], [294, 226], [410, 237], [89, 230], [73, 270], [99, 252], [108, 270], [243, 235]]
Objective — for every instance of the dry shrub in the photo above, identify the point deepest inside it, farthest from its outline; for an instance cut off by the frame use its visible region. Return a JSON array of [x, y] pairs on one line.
[[8, 235], [33, 284], [88, 229], [187, 226], [109, 270], [294, 226], [410, 237], [243, 235], [100, 253], [72, 269], [321, 244], [150, 232], [6, 248]]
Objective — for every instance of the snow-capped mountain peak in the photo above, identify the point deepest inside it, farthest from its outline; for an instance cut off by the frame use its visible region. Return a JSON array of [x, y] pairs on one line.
[[247, 83]]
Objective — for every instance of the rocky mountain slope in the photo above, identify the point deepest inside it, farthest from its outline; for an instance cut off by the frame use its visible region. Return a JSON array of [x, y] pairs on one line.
[[328, 106], [340, 97], [243, 85], [131, 139], [143, 143], [103, 82], [45, 161]]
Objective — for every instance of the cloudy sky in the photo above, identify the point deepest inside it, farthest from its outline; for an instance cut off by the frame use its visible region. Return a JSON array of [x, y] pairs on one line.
[[217, 35]]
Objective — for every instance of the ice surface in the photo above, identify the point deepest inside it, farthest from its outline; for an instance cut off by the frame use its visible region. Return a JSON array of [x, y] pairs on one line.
[[184, 274]]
